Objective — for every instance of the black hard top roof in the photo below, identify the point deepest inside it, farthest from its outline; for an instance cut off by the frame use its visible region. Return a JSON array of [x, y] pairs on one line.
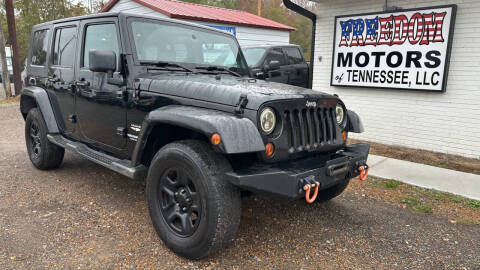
[[84, 17], [271, 46], [126, 14]]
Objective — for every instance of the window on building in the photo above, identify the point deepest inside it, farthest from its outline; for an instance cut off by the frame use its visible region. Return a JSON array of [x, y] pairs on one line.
[[100, 37], [64, 47], [294, 56], [39, 48]]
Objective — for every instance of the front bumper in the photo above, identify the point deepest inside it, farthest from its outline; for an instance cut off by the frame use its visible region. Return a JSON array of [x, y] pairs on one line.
[[286, 180]]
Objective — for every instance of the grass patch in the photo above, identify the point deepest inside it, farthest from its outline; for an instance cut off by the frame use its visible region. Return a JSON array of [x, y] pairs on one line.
[[437, 195], [473, 204], [10, 101], [416, 205], [392, 184], [453, 162], [455, 198], [464, 221]]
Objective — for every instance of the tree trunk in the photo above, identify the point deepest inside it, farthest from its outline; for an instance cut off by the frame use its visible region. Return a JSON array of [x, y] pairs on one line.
[[12, 32], [3, 59]]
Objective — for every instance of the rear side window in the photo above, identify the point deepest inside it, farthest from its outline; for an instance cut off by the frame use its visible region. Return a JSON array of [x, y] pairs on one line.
[[99, 37], [39, 48], [64, 47], [294, 56]]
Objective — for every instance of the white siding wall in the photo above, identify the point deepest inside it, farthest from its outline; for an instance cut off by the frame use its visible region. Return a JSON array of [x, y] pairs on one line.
[[257, 36], [448, 122], [245, 35], [135, 8]]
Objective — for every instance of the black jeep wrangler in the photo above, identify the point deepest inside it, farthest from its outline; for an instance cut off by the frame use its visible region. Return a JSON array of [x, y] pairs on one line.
[[173, 103]]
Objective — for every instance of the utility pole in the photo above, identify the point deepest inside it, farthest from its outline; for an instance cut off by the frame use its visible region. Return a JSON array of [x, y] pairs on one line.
[[259, 7], [12, 33], [3, 59]]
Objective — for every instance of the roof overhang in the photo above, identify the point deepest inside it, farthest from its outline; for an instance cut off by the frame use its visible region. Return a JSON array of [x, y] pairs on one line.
[[283, 27]]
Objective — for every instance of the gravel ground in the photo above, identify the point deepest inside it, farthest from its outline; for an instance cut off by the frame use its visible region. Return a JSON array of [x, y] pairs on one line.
[[85, 216]]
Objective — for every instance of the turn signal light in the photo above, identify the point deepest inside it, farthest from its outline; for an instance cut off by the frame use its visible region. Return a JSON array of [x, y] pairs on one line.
[[215, 139], [269, 149], [344, 136]]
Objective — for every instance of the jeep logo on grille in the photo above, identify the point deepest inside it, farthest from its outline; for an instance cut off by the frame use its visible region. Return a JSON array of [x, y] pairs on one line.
[[311, 104]]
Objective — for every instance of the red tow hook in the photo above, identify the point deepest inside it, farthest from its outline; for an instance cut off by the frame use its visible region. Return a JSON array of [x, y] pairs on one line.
[[363, 172], [308, 188]]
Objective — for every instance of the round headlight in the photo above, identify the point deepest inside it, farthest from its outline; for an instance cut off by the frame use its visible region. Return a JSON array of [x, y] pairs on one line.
[[267, 120], [340, 114]]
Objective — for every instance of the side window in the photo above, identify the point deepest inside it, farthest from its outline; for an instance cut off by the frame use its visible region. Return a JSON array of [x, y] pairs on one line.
[[276, 54], [39, 48], [294, 56], [99, 37], [64, 47]]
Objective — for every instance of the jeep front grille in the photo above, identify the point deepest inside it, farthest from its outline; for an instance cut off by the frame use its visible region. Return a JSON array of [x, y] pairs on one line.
[[310, 128]]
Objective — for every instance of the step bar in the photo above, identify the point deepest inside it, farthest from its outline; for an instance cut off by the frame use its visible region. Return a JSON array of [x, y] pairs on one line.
[[118, 165]]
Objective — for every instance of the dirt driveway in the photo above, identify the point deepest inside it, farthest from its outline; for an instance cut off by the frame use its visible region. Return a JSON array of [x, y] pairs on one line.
[[84, 216]]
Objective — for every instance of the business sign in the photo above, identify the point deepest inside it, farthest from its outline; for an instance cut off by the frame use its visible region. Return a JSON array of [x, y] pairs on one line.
[[230, 29], [408, 49]]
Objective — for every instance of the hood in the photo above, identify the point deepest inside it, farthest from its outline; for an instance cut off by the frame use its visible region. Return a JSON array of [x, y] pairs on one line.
[[225, 89]]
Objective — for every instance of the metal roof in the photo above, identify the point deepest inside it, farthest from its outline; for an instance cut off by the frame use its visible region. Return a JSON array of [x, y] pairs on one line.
[[196, 12]]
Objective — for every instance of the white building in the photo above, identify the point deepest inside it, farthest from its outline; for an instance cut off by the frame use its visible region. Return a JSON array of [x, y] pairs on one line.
[[448, 121], [248, 28]]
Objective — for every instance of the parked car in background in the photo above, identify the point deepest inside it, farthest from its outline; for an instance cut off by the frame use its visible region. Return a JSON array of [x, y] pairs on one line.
[[278, 63], [9, 64]]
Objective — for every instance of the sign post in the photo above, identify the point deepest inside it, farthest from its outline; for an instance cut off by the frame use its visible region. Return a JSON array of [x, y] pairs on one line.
[[407, 49]]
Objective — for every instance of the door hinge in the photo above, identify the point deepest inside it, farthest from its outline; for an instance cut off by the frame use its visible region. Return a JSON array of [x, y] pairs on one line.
[[122, 131], [241, 104]]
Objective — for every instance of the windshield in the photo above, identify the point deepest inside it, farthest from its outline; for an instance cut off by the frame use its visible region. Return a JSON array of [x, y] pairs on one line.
[[157, 41], [253, 55]]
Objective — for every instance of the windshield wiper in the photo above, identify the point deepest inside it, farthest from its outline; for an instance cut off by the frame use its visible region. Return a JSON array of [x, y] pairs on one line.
[[164, 64], [217, 68]]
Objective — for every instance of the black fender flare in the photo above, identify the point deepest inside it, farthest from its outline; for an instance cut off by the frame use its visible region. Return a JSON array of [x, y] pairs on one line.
[[238, 135], [43, 103], [355, 124]]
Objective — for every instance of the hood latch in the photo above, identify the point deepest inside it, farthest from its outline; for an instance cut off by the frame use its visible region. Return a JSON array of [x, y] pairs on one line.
[[241, 104]]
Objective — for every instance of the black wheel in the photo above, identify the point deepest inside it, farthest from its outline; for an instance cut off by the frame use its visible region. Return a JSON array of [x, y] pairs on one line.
[[332, 192], [43, 154], [194, 210]]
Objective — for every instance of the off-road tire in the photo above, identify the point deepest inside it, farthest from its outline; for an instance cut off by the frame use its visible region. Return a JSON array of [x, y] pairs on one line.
[[48, 155], [220, 201], [332, 192]]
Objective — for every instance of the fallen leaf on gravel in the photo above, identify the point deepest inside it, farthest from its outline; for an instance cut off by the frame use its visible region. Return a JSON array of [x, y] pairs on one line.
[[48, 215]]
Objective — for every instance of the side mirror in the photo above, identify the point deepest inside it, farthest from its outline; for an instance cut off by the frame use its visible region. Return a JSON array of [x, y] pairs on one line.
[[258, 73], [274, 64], [102, 61], [105, 61]]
